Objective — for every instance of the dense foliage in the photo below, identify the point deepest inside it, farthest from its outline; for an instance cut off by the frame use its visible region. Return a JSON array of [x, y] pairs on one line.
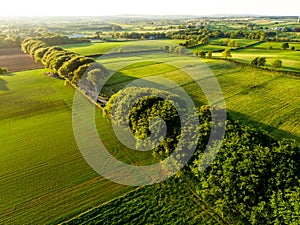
[[253, 179], [66, 64], [3, 70]]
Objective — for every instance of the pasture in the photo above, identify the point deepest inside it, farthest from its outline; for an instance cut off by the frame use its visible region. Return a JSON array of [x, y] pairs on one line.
[[89, 49], [43, 177], [260, 98], [290, 59]]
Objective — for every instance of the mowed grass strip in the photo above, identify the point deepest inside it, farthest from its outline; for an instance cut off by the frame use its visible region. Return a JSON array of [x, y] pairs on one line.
[[43, 177]]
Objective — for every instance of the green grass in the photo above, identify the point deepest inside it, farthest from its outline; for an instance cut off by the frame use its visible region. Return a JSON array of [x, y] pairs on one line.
[[209, 47], [260, 98], [277, 45], [113, 47], [93, 48], [242, 42], [43, 177], [290, 59], [170, 202]]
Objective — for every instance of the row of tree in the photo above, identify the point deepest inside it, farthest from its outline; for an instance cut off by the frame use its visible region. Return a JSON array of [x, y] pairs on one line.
[[66, 64]]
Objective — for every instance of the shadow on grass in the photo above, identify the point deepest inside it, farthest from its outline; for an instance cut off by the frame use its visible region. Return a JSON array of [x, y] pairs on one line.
[[3, 83], [272, 131]]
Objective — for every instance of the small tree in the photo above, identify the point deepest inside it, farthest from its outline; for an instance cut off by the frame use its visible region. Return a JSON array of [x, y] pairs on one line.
[[227, 53], [3, 70], [261, 61], [285, 45], [202, 54], [277, 64], [254, 62], [209, 54]]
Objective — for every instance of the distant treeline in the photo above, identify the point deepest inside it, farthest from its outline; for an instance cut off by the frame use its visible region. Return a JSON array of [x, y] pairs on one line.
[[144, 35], [9, 41], [51, 40], [61, 40]]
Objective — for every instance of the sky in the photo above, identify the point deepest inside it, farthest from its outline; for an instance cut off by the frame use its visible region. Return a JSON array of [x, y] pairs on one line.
[[148, 7]]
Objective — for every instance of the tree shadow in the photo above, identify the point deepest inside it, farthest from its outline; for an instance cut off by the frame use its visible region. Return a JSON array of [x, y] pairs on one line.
[[3, 85], [272, 131]]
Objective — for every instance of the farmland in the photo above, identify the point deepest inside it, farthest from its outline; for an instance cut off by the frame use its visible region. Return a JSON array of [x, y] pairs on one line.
[[14, 60], [45, 180], [43, 176], [260, 98]]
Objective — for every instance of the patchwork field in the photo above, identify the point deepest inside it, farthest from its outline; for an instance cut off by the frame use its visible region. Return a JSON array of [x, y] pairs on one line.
[[44, 179], [264, 99]]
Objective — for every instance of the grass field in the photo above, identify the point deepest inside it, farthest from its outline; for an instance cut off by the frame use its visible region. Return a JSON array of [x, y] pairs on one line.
[[101, 48], [242, 42], [43, 177], [278, 45], [170, 202], [290, 59], [260, 98]]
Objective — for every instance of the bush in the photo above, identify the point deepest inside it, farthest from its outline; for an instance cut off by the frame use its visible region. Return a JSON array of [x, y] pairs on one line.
[[277, 64], [3, 70], [259, 61]]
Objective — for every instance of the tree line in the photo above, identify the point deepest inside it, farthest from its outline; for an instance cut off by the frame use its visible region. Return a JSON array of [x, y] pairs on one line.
[[63, 63]]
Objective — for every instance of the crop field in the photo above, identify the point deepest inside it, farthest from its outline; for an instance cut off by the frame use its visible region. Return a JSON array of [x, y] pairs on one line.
[[43, 177], [260, 98], [15, 60], [167, 203]]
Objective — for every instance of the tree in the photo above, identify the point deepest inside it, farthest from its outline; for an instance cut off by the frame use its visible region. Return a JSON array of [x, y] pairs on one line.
[[3, 70], [254, 62], [261, 61], [227, 53], [209, 54], [285, 45], [277, 64], [201, 54]]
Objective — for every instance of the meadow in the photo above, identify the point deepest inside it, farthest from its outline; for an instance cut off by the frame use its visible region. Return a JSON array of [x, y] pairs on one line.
[[290, 58], [264, 99], [90, 49], [43, 177]]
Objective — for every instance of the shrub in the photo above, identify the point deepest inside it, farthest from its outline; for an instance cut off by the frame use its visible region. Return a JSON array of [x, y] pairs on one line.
[[3, 70]]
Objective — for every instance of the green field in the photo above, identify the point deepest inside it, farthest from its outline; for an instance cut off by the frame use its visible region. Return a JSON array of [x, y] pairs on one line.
[[43, 177], [260, 98], [242, 42], [278, 45], [170, 202], [113, 47], [290, 59]]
